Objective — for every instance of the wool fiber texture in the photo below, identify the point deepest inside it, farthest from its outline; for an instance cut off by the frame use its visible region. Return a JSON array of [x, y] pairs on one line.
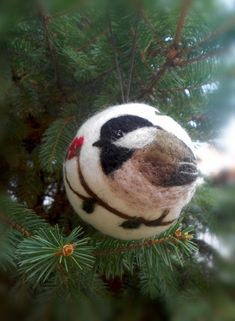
[[130, 171]]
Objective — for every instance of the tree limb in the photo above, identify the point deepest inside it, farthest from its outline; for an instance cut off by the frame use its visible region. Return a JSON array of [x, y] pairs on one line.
[[178, 236], [186, 4], [154, 80], [15, 226]]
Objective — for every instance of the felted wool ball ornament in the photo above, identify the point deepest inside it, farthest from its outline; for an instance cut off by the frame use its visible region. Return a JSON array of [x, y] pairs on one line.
[[129, 171]]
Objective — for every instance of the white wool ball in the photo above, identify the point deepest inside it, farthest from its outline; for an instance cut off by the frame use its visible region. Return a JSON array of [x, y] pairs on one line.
[[129, 171]]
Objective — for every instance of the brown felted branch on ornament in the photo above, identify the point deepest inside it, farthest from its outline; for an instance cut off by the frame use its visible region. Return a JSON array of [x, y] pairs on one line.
[[178, 236], [130, 220]]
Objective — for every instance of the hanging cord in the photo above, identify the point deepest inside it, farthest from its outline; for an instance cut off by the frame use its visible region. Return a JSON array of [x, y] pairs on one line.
[[114, 48], [133, 51]]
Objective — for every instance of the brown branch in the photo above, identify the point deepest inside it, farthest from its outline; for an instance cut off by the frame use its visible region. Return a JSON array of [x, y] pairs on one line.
[[186, 4], [174, 56], [178, 236], [155, 79], [171, 52], [15, 226]]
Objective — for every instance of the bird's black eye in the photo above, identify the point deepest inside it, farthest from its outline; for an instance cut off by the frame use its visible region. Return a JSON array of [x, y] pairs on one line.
[[111, 156], [116, 128], [119, 133]]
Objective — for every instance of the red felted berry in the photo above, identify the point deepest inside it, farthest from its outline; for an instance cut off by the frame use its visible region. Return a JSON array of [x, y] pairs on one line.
[[74, 146]]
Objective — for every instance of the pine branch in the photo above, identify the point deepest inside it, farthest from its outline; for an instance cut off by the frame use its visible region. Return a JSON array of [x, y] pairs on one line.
[[154, 80], [48, 250], [45, 19], [178, 236], [156, 36], [15, 226], [91, 41], [218, 32], [182, 89], [181, 62], [19, 217], [115, 257], [43, 251], [55, 142], [133, 51], [186, 4], [171, 52], [116, 59]]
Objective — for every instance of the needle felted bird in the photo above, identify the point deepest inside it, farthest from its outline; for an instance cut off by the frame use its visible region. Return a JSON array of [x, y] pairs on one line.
[[129, 171]]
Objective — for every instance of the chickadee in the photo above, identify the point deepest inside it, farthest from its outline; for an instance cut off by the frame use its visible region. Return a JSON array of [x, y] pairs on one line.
[[130, 170]]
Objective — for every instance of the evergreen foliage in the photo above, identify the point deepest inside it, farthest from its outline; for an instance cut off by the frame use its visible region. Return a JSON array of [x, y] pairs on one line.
[[62, 63]]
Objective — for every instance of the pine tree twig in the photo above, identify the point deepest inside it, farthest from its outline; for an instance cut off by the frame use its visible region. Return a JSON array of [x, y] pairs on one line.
[[143, 60], [178, 236], [133, 51], [52, 154], [15, 226], [182, 89], [183, 62], [91, 41], [186, 4], [224, 28], [116, 59], [171, 52], [45, 19], [67, 250], [221, 30], [155, 79], [157, 38]]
